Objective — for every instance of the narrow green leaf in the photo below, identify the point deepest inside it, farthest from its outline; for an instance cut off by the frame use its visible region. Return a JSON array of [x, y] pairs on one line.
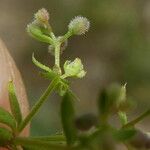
[[103, 102], [36, 33], [5, 136], [14, 104], [40, 65], [7, 118], [67, 118], [103, 106]]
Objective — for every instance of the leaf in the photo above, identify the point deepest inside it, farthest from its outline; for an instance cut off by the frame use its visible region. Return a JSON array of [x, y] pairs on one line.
[[67, 118], [124, 134], [7, 118], [103, 102], [5, 136], [14, 104], [40, 65], [37, 33]]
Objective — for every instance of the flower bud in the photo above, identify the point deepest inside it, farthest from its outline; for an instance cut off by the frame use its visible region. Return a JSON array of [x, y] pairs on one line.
[[79, 25], [74, 68], [42, 16], [40, 28]]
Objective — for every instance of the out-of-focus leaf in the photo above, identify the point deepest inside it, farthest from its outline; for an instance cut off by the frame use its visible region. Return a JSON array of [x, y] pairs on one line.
[[124, 134], [103, 106], [103, 102], [112, 100], [5, 136], [67, 118], [7, 118], [14, 104]]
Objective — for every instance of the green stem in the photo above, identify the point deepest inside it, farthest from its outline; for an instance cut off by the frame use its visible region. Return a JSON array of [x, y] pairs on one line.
[[39, 103], [66, 36], [37, 143], [138, 119]]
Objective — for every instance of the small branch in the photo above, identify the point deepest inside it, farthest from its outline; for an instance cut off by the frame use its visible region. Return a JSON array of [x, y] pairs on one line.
[[138, 119], [66, 36], [39, 103]]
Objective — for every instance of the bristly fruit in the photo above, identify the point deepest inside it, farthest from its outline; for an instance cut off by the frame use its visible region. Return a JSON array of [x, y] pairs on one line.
[[79, 25]]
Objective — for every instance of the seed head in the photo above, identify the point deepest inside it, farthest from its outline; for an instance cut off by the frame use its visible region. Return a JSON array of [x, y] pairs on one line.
[[79, 25]]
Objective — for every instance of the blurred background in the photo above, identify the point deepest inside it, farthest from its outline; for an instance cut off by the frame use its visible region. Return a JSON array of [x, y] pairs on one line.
[[116, 49]]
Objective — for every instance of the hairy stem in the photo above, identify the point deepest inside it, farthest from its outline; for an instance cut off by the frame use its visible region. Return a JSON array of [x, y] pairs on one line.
[[39, 103], [66, 36], [57, 54]]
